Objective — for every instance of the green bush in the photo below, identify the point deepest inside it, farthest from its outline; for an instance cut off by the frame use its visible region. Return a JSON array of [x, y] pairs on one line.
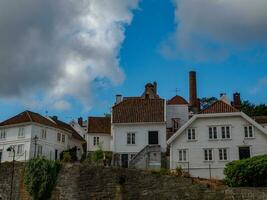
[[40, 177], [251, 172], [66, 157]]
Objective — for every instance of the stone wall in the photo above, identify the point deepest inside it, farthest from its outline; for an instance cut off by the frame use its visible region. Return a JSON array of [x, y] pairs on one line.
[[80, 182]]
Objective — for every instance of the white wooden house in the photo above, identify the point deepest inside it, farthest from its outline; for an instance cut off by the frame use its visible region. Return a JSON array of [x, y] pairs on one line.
[[32, 135], [216, 136]]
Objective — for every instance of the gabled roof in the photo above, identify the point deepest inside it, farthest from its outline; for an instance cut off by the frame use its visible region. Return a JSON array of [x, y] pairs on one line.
[[99, 125], [214, 115], [177, 100], [28, 116], [260, 119], [138, 111], [67, 127], [219, 107]]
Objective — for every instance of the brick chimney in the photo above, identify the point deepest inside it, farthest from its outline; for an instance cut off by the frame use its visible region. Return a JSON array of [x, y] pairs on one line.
[[80, 121], [193, 101], [236, 101]]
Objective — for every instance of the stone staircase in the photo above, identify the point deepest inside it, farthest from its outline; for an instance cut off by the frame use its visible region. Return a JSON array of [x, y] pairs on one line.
[[148, 158]]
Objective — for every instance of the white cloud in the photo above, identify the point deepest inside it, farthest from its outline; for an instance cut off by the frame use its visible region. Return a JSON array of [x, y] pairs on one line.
[[62, 105], [259, 86], [55, 49], [215, 29]]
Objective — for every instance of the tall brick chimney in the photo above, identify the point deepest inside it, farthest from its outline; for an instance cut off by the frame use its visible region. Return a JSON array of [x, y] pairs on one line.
[[236, 101], [193, 101]]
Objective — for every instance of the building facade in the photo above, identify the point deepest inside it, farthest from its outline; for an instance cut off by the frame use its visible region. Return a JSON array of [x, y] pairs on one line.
[[31, 135], [216, 136]]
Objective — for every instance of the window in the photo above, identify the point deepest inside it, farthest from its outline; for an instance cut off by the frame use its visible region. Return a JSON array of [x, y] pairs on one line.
[[21, 132], [20, 149], [191, 134], [248, 131], [208, 155], [2, 134], [130, 138], [39, 150], [182, 155], [226, 132], [223, 154], [96, 141], [58, 137], [63, 138], [213, 133], [43, 133]]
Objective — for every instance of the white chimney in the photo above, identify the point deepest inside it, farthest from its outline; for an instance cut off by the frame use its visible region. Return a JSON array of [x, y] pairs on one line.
[[118, 99], [223, 97]]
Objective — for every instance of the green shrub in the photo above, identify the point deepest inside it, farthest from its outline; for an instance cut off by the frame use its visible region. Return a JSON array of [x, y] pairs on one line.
[[179, 171], [40, 177], [251, 172], [164, 171], [66, 157], [98, 155]]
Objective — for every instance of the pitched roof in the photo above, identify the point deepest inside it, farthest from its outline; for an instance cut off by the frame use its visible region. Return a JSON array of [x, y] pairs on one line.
[[28, 116], [138, 111], [177, 100], [67, 127], [260, 119], [99, 125], [219, 107], [213, 115]]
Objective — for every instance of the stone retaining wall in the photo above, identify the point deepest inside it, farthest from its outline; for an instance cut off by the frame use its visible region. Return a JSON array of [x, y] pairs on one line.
[[79, 182]]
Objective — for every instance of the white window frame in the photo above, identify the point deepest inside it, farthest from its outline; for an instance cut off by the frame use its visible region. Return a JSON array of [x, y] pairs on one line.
[[247, 133], [212, 133], [39, 150], [226, 132], [2, 134], [182, 155], [191, 132], [20, 149], [224, 153], [210, 155], [43, 133], [21, 132], [131, 138], [58, 137], [96, 140], [63, 138]]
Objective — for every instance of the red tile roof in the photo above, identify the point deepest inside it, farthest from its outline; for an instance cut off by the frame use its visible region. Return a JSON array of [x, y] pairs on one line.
[[219, 107], [99, 125], [28, 116], [138, 111], [260, 119], [177, 100]]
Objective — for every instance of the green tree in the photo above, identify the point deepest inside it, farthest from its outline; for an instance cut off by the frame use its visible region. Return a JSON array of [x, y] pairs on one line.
[[253, 110], [40, 177]]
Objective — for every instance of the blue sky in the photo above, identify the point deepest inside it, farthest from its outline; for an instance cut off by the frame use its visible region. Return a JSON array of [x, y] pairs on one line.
[[222, 64]]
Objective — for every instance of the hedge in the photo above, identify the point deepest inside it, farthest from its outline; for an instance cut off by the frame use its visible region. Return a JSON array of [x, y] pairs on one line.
[[251, 172]]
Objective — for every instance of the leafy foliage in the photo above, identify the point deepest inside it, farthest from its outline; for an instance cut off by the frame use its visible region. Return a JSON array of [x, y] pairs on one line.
[[66, 157], [252, 109], [98, 155], [40, 177], [72, 152], [250, 172]]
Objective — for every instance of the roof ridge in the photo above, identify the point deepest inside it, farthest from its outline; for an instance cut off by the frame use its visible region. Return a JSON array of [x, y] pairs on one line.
[[216, 102], [28, 114]]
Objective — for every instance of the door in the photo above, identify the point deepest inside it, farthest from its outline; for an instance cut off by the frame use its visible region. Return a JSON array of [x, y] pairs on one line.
[[153, 137], [124, 160], [1, 153], [56, 152], [244, 152]]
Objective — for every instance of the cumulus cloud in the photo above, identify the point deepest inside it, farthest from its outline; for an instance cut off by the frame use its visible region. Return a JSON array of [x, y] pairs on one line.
[[208, 29], [57, 49]]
